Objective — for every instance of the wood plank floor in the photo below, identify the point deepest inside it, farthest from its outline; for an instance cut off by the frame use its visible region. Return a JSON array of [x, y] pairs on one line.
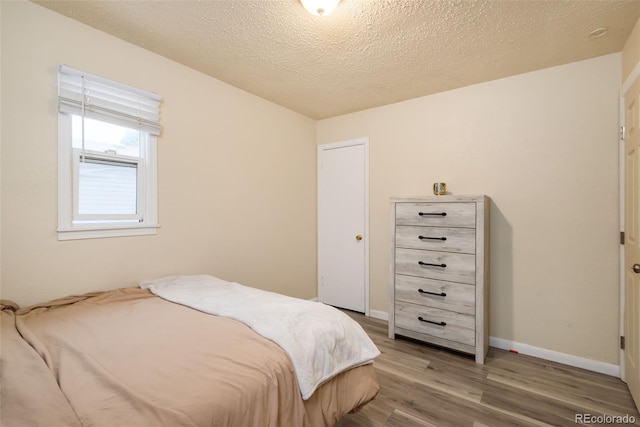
[[422, 385]]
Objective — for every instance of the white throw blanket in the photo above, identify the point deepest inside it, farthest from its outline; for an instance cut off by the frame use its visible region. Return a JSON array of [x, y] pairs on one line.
[[320, 340]]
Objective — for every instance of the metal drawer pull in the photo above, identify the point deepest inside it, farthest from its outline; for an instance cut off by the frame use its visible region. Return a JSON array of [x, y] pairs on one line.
[[432, 238], [441, 294], [432, 265], [432, 214], [420, 318]]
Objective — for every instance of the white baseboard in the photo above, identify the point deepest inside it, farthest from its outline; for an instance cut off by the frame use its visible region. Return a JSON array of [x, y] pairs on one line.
[[542, 353], [556, 356]]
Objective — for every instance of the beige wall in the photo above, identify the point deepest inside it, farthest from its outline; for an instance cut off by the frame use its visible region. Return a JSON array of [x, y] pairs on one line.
[[543, 146], [1, 102], [236, 173]]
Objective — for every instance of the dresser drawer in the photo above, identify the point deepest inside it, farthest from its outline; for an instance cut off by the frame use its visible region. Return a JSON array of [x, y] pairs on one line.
[[448, 325], [449, 266], [436, 293], [437, 238], [437, 214]]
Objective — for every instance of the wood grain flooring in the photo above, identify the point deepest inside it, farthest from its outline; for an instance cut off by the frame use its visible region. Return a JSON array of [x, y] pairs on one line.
[[422, 385]]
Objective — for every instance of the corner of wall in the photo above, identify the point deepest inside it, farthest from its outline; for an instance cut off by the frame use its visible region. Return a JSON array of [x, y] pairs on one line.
[[1, 26], [631, 52]]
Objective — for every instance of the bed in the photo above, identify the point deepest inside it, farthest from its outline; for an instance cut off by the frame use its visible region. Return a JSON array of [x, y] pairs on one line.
[[138, 357]]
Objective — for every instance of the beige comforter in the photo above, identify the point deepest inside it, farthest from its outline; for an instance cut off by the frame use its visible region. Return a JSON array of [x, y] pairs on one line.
[[128, 358], [29, 394]]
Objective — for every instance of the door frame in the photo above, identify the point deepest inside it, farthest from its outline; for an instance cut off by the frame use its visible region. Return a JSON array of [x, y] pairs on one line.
[[624, 89], [364, 141]]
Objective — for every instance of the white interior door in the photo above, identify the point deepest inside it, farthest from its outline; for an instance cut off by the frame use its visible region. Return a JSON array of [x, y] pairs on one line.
[[342, 224], [632, 241]]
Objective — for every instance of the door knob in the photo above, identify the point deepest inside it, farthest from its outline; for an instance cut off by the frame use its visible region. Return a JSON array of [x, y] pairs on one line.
[[636, 268], [359, 237]]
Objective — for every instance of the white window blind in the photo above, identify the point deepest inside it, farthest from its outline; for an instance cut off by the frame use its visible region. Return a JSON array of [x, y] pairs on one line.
[[94, 97]]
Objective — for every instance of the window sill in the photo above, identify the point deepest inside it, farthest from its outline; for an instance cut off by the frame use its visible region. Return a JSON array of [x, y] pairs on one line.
[[77, 233]]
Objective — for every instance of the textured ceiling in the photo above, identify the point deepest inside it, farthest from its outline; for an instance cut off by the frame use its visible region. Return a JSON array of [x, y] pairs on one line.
[[365, 54]]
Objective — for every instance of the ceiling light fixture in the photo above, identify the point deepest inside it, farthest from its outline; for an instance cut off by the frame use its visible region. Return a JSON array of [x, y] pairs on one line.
[[598, 32], [320, 7]]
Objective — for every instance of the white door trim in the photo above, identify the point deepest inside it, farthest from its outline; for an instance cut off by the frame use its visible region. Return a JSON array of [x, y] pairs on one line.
[[621, 180], [635, 73], [364, 141]]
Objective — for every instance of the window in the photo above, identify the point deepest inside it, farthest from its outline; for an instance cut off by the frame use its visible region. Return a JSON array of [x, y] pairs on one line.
[[107, 157]]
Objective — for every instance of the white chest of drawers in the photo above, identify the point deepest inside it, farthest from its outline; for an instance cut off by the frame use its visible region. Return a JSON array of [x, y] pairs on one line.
[[439, 287]]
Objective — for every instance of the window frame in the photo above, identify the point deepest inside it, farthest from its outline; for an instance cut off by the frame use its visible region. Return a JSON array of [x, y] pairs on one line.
[[71, 226]]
